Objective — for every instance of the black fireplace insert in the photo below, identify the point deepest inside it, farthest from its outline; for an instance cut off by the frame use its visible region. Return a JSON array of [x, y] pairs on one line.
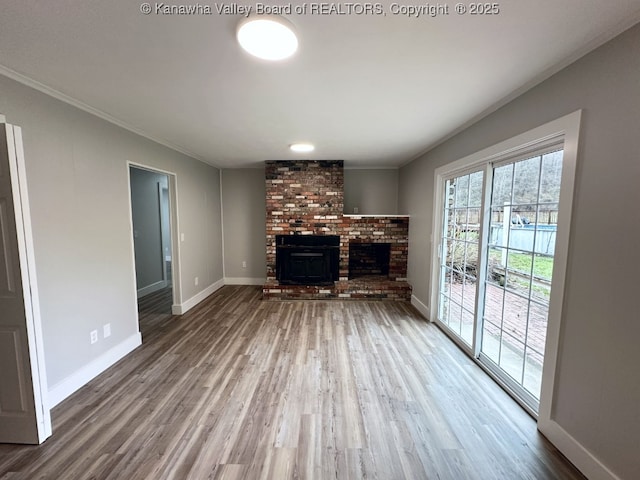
[[307, 259]]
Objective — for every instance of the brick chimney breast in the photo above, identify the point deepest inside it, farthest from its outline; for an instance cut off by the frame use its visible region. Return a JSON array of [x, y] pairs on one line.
[[306, 197]]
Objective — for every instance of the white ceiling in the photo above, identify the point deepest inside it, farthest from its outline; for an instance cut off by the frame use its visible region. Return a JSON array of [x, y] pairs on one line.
[[375, 91]]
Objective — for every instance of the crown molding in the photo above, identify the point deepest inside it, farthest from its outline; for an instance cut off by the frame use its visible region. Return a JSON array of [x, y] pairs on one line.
[[589, 47], [31, 83]]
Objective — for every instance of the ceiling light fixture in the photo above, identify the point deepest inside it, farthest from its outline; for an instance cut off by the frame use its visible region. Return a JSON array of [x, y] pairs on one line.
[[267, 36], [302, 147]]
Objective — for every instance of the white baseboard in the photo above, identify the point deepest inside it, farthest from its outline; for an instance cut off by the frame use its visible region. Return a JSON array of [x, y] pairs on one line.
[[81, 377], [197, 298], [583, 459], [244, 281], [421, 307], [154, 287]]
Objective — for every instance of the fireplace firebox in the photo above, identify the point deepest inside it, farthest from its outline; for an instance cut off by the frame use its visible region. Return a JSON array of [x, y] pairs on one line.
[[368, 259], [307, 259]]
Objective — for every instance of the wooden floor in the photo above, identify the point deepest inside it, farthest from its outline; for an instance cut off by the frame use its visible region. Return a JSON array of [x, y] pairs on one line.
[[240, 388]]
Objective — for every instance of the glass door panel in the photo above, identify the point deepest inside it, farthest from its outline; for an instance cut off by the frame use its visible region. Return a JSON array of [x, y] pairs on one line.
[[520, 250], [459, 255]]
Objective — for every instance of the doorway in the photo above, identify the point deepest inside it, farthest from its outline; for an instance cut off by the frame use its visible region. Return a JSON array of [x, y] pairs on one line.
[[499, 252], [503, 312], [152, 215]]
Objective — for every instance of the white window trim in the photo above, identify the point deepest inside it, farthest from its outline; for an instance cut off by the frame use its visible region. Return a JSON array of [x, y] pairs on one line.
[[567, 129]]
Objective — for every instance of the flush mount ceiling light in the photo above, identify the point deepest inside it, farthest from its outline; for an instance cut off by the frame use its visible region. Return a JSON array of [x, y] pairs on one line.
[[267, 36], [302, 147]]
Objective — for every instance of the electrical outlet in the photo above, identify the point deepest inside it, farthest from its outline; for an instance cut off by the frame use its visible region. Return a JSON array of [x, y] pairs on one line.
[[94, 336], [355, 210], [244, 264], [106, 330], [196, 281]]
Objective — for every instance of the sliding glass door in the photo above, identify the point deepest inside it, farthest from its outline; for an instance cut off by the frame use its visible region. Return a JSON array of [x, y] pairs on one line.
[[496, 255]]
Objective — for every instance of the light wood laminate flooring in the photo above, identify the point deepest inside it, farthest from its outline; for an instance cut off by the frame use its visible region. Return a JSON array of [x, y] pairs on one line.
[[240, 388]]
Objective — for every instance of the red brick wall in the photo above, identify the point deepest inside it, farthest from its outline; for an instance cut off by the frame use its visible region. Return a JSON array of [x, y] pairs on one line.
[[393, 230], [307, 197]]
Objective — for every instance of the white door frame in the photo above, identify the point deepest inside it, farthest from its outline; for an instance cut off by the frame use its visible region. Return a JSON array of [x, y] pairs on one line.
[[29, 279], [174, 229]]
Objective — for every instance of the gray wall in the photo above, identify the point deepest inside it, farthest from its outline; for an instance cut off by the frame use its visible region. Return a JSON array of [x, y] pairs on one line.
[[77, 176], [165, 214], [372, 191], [147, 231], [244, 210], [598, 384]]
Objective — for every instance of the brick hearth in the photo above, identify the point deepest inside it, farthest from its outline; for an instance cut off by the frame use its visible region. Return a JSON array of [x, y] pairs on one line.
[[307, 198]]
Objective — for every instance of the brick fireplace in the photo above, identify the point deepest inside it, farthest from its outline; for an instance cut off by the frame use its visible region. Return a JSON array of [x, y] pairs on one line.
[[306, 198]]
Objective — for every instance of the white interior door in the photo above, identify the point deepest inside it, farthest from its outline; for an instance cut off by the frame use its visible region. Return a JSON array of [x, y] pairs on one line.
[[24, 414]]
